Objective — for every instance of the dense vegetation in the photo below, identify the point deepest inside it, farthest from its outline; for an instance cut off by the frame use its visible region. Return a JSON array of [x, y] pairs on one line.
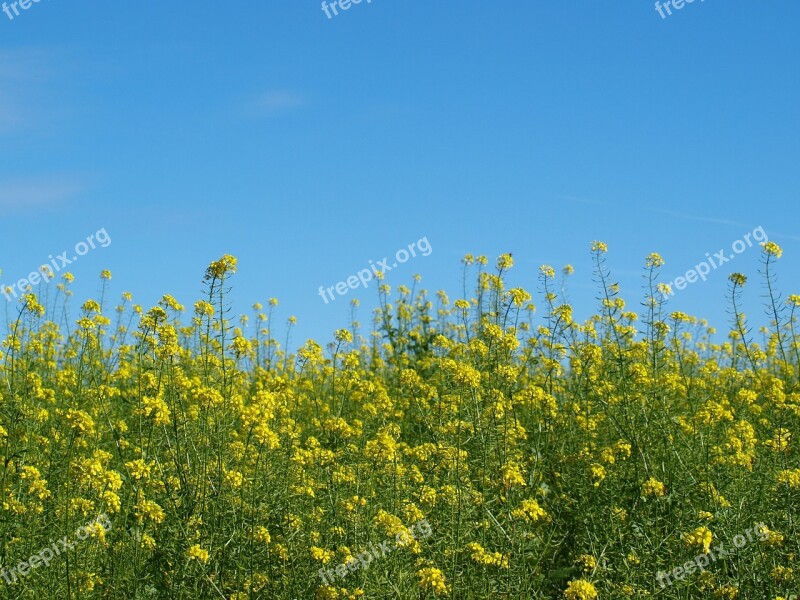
[[475, 449]]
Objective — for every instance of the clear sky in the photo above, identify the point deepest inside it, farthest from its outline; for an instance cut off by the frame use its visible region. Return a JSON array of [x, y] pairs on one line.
[[307, 146]]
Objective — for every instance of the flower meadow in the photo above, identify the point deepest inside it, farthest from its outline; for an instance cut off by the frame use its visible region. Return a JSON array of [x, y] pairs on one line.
[[547, 458]]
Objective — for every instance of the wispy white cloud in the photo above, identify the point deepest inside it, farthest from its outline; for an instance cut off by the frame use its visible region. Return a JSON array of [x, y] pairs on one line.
[[26, 94], [13, 73], [12, 113], [22, 196], [690, 217], [584, 201], [21, 64], [275, 102], [717, 221]]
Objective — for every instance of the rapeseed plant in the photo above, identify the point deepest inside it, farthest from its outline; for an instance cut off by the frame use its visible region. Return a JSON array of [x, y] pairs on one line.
[[551, 458]]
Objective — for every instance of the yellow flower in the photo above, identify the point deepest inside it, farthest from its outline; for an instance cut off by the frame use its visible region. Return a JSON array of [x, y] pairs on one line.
[[203, 308], [80, 421], [653, 487], [598, 473], [157, 409], [790, 478], [780, 441], [512, 475], [384, 446], [709, 489], [222, 267], [737, 279], [530, 511], [654, 260], [321, 555], [343, 335], [782, 574], [147, 509], [37, 485], [91, 306], [770, 537], [148, 541], [699, 538], [484, 557], [519, 296], [462, 304], [88, 581], [234, 479], [33, 306], [197, 553], [261, 534], [772, 249], [505, 261], [580, 589], [587, 562], [431, 578], [547, 271], [139, 469], [462, 374], [727, 592]]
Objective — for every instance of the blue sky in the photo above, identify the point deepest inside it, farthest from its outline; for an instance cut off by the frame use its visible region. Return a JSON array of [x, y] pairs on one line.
[[308, 146]]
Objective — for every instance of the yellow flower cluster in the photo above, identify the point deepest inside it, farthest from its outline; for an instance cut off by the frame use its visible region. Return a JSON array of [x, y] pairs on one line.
[[484, 557], [700, 538], [653, 487], [580, 589]]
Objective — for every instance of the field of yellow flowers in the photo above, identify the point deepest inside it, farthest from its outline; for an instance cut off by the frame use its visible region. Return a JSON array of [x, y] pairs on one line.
[[479, 448]]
